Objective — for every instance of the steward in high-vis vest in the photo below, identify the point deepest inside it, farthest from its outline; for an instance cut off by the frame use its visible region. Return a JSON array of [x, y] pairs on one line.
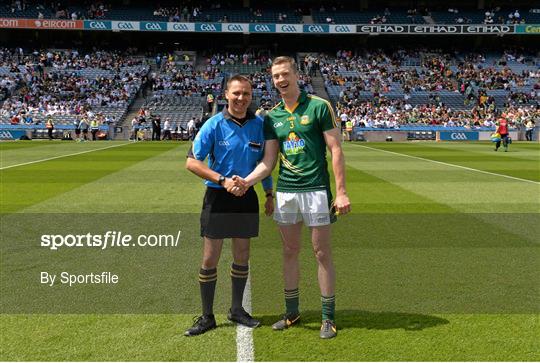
[[348, 129], [94, 127]]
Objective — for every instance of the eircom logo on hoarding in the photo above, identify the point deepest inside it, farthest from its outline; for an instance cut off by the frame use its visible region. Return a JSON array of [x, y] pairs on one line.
[[458, 135], [55, 24]]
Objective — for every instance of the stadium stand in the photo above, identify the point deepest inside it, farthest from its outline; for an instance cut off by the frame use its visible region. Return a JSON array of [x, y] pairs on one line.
[[68, 86], [377, 89], [399, 16]]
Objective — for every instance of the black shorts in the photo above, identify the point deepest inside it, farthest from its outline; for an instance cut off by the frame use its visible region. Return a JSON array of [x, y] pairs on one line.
[[226, 216], [77, 131]]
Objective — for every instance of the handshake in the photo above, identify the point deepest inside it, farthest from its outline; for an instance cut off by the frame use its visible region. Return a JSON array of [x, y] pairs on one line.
[[236, 185]]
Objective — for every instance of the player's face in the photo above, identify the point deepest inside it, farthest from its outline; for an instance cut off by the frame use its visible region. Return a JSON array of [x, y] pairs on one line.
[[285, 78], [238, 95]]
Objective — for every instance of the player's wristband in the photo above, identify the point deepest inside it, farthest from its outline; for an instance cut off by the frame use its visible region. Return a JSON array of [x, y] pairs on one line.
[[269, 195]]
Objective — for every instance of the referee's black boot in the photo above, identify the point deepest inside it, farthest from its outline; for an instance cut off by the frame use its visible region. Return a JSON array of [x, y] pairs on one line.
[[242, 317], [201, 325]]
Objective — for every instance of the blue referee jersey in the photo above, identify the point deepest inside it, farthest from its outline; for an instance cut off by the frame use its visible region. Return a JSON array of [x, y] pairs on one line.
[[232, 148]]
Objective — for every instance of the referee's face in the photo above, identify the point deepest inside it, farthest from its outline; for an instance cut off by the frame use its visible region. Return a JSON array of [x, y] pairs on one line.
[[238, 95]]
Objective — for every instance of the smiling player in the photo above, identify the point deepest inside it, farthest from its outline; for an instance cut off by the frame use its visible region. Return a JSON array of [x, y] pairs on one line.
[[301, 127]]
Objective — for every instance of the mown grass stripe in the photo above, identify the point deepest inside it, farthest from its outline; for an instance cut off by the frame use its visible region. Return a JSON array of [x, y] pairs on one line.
[[452, 165], [62, 156], [30, 184]]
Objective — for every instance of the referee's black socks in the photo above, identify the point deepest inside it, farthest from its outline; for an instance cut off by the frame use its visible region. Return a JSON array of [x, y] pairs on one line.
[[239, 276], [207, 281]]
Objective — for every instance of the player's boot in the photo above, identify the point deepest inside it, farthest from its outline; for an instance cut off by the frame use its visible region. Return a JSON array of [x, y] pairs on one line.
[[286, 322], [201, 325], [328, 329], [242, 317]]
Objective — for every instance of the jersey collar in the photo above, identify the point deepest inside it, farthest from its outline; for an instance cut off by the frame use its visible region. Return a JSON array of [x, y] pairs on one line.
[[227, 116], [301, 99]]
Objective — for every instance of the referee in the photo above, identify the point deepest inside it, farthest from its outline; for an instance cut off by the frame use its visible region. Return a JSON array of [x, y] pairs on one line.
[[233, 141]]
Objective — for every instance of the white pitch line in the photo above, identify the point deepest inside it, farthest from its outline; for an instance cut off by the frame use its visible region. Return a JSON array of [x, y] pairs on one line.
[[61, 156], [244, 335], [453, 165]]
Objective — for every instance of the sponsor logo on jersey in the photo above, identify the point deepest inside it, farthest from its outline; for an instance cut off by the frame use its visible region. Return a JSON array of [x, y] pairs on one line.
[[293, 145]]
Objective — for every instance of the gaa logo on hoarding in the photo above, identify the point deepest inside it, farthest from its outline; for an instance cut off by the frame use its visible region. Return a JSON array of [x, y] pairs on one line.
[[125, 26], [5, 135], [315, 29], [289, 28], [208, 28], [152, 26], [342, 29], [262, 28], [458, 136], [181, 27], [97, 25], [235, 27]]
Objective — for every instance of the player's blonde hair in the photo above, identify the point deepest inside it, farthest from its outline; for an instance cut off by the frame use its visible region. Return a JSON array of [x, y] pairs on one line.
[[285, 59]]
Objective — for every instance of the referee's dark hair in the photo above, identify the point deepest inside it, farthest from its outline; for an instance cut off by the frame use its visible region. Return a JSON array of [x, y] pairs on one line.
[[285, 59], [239, 78]]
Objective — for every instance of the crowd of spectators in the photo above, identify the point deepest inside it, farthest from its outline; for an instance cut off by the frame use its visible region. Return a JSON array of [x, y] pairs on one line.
[[378, 73], [185, 81], [51, 83], [68, 94], [104, 60], [247, 58], [436, 71], [59, 10], [184, 13], [382, 112]]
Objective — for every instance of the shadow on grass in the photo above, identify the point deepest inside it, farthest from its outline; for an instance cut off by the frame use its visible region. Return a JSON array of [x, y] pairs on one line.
[[346, 319]]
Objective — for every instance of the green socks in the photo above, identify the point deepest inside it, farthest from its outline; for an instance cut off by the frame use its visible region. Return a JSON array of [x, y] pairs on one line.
[[328, 307], [292, 300]]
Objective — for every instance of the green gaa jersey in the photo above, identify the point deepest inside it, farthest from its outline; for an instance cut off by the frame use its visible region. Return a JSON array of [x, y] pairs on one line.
[[302, 148]]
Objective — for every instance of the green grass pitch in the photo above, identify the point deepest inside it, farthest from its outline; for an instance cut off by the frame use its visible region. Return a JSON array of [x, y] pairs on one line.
[[439, 260]]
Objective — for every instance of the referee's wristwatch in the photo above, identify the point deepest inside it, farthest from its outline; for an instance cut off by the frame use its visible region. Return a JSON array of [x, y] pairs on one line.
[[221, 180]]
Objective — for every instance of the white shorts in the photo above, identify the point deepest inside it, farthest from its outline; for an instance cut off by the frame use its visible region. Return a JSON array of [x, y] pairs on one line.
[[313, 208]]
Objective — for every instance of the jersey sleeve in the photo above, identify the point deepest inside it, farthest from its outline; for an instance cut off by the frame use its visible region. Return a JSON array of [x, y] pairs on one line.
[[203, 143], [269, 131], [327, 117]]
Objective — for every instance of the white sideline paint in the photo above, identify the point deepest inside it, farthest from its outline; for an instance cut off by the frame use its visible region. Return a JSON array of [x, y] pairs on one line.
[[244, 335], [453, 165], [62, 156]]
